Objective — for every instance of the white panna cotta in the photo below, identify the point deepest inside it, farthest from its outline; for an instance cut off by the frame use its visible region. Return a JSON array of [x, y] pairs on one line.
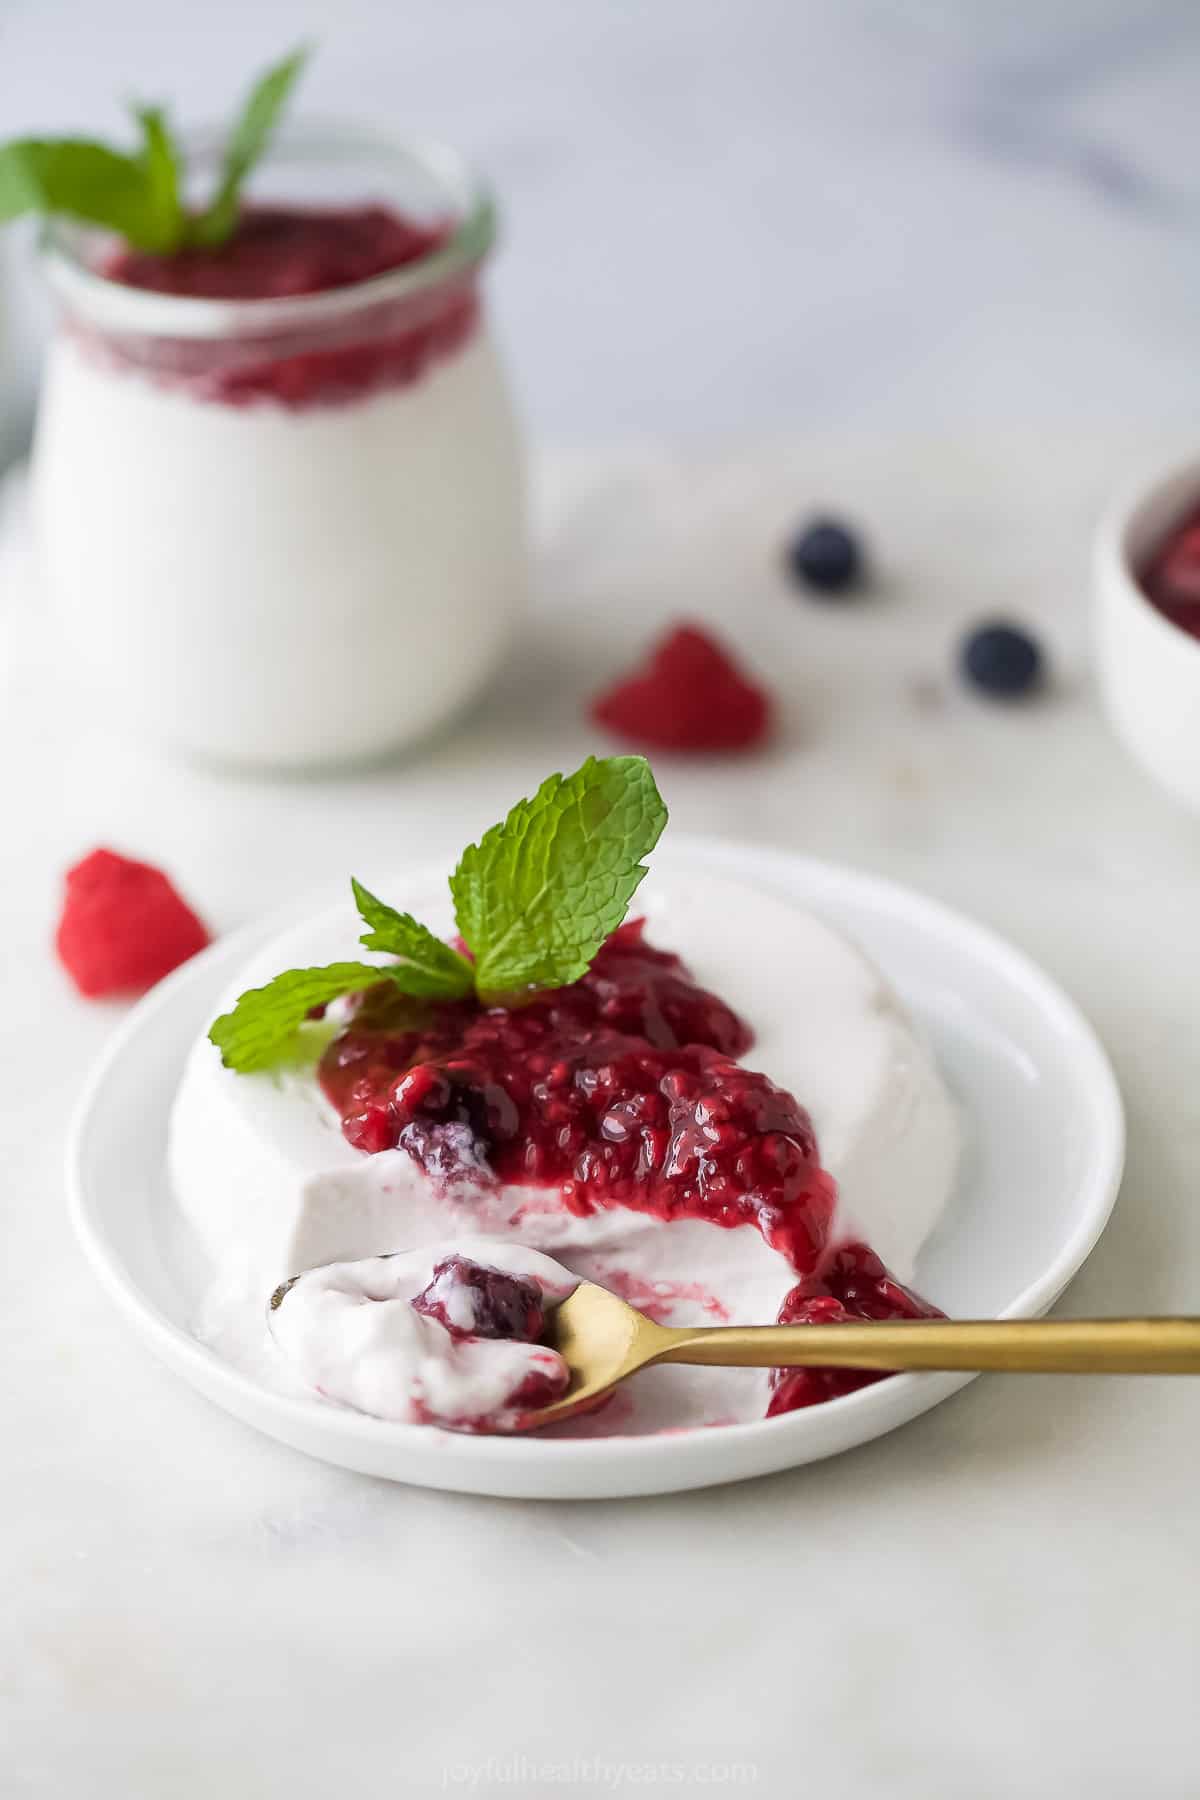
[[269, 1187], [277, 483], [409, 1338], [219, 569]]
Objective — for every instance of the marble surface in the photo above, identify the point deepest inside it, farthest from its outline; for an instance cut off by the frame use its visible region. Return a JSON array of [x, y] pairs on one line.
[[190, 1609], [950, 254]]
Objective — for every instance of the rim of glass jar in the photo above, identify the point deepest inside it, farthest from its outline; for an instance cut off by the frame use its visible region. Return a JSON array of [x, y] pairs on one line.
[[116, 307]]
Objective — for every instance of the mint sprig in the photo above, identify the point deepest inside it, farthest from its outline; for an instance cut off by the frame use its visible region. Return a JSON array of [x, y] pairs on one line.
[[534, 900], [139, 195], [263, 1028], [245, 145], [432, 969], [91, 182], [163, 168], [539, 893]]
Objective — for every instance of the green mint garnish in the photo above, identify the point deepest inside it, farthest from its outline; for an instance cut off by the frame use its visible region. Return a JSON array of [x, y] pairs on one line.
[[163, 170], [534, 900], [538, 895], [105, 187], [263, 1027], [247, 141], [431, 968], [139, 195]]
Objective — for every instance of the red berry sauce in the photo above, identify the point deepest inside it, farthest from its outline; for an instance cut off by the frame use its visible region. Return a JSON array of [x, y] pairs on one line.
[[500, 1305], [123, 926], [691, 696], [621, 1090], [853, 1284], [279, 252], [1172, 578]]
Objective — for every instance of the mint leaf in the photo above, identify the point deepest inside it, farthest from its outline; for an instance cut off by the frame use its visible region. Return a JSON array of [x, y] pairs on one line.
[[163, 168], [247, 141], [263, 1027], [538, 895], [261, 1030], [534, 900], [431, 968], [139, 197], [105, 187]]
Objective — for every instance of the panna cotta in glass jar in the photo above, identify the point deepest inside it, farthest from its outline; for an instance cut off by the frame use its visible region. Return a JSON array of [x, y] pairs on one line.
[[277, 484]]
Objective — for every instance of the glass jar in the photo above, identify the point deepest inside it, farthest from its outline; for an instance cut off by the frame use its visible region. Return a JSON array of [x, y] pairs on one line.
[[288, 531]]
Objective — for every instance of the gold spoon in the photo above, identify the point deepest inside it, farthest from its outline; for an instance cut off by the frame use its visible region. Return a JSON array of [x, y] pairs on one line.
[[603, 1341]]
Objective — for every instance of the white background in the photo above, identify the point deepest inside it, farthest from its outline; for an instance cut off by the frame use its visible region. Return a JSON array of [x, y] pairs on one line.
[[950, 254]]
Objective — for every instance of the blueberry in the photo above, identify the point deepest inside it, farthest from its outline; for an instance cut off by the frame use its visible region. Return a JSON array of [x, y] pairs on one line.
[[825, 556], [1001, 659]]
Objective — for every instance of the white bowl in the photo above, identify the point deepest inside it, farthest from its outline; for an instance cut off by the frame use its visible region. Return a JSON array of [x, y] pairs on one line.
[[1040, 1174], [1149, 670]]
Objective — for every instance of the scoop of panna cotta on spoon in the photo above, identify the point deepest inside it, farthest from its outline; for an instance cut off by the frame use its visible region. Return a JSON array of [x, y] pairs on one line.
[[492, 1337], [718, 1111], [450, 1335]]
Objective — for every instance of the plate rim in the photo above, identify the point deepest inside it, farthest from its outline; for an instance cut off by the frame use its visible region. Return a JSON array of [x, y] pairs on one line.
[[901, 1398]]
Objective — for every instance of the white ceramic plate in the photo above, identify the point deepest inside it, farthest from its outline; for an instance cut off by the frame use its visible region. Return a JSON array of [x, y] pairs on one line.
[[1042, 1166]]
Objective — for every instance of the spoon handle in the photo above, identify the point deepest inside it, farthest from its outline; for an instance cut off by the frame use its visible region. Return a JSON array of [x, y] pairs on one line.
[[1030, 1346]]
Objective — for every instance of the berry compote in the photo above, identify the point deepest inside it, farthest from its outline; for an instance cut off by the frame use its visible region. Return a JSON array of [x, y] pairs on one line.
[[282, 250], [853, 1284], [473, 1301], [1172, 578], [621, 1090], [285, 252]]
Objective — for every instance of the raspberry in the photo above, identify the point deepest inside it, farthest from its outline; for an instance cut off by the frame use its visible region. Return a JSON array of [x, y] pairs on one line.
[[690, 696], [277, 251], [123, 926]]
